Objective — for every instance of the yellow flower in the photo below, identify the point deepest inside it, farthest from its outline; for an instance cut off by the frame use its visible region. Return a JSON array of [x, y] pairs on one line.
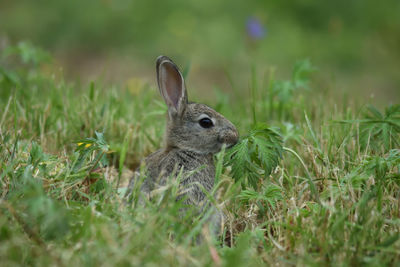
[[86, 146]]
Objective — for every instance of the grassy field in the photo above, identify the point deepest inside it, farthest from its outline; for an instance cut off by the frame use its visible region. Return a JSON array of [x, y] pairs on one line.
[[322, 188]]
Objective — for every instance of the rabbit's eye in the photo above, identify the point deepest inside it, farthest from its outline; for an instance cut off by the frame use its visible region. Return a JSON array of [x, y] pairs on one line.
[[206, 123]]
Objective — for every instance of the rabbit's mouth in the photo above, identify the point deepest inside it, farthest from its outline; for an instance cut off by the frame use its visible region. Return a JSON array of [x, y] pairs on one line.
[[227, 145], [229, 140], [230, 145]]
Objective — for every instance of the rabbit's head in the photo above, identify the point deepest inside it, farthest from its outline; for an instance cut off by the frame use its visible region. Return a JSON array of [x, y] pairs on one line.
[[191, 126]]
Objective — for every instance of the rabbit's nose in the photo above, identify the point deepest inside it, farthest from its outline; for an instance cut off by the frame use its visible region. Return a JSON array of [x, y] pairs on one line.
[[230, 137]]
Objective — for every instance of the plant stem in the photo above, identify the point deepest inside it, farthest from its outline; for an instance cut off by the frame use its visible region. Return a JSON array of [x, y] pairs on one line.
[[310, 182]]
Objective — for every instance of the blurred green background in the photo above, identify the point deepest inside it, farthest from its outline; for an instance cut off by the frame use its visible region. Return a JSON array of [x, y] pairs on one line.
[[354, 44]]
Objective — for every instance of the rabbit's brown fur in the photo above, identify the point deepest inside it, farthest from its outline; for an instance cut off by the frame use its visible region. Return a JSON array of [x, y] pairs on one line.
[[189, 146]]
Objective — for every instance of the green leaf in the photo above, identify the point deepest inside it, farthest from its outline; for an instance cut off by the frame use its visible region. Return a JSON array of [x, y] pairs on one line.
[[377, 131], [390, 240], [269, 194], [255, 156], [28, 53], [301, 73], [239, 155]]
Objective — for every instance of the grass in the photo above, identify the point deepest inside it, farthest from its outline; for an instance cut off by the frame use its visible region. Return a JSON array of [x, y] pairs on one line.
[[66, 151]]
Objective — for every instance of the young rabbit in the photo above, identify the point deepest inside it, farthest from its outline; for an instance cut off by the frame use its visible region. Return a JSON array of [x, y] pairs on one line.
[[194, 133]]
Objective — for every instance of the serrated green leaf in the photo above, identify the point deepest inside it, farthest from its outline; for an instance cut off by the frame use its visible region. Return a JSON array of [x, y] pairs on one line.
[[270, 194], [240, 156], [378, 131], [256, 155]]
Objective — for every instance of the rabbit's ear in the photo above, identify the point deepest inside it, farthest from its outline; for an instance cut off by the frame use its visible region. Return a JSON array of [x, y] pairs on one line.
[[172, 86]]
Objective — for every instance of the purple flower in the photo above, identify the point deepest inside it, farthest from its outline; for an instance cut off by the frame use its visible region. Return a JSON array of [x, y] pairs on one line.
[[254, 28]]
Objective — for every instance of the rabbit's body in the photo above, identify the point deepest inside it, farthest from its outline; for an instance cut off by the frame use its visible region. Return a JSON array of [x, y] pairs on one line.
[[194, 133], [162, 164]]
